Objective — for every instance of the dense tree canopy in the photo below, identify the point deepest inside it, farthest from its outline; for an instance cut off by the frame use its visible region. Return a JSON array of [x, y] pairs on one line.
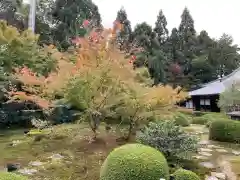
[[184, 57], [180, 56]]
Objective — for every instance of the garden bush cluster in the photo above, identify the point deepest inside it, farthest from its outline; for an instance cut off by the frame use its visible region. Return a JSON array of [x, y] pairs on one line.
[[225, 131], [208, 118], [170, 139]]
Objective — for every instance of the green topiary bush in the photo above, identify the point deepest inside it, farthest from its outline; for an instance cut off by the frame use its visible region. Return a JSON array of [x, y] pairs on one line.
[[181, 119], [135, 162], [11, 176], [225, 131], [182, 174]]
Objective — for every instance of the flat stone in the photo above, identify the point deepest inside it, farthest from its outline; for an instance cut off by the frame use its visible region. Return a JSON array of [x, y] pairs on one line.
[[200, 157], [26, 171], [219, 175], [214, 146], [205, 154], [56, 157], [208, 165], [237, 153], [205, 150], [204, 142], [16, 142], [221, 150], [211, 178], [35, 163]]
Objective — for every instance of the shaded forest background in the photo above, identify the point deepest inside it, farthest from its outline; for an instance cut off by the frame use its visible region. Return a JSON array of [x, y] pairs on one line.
[[178, 56]]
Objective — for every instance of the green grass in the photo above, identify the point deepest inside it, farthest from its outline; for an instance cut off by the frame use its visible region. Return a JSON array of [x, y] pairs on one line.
[[82, 159]]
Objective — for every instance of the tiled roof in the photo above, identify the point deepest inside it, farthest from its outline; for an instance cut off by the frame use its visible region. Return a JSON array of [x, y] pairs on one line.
[[217, 87], [214, 88]]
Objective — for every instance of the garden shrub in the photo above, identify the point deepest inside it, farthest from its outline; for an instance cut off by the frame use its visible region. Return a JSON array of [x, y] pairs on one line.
[[208, 118], [182, 174], [170, 139], [198, 113], [11, 176], [63, 114], [134, 161], [181, 119], [225, 131], [19, 114], [199, 120]]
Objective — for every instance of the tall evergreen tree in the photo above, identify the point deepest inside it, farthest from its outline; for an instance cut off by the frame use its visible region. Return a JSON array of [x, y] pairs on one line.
[[124, 37], [152, 57], [161, 28], [176, 58], [187, 24], [188, 40]]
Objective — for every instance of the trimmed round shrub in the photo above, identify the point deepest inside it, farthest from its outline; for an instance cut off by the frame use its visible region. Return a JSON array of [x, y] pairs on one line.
[[225, 131], [181, 119], [182, 174], [11, 176], [135, 162]]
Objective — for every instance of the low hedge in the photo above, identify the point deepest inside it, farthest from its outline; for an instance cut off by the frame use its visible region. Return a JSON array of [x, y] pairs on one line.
[[208, 118], [182, 174], [225, 131], [200, 120]]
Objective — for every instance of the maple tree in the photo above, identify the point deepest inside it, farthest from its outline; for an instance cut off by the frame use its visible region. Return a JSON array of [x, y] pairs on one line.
[[97, 79]]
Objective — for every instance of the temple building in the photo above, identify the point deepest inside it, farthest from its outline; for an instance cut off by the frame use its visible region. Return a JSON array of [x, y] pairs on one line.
[[206, 97]]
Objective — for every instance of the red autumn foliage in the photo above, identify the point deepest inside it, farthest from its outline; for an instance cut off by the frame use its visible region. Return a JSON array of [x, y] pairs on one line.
[[35, 87], [85, 23], [175, 68]]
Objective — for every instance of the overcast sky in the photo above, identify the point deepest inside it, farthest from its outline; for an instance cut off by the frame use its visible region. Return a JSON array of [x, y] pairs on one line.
[[214, 16]]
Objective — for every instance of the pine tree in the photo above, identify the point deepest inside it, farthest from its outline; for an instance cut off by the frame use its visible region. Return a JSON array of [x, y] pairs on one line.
[[188, 40], [124, 37], [161, 28], [187, 24]]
